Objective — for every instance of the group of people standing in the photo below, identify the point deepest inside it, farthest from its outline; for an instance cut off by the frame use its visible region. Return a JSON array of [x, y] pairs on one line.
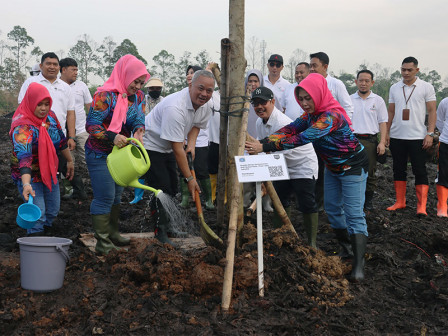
[[331, 141]]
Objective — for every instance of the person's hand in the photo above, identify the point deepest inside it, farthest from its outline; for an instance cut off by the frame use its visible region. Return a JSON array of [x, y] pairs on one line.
[[253, 147], [28, 189], [71, 144], [387, 143], [190, 150], [381, 148], [427, 142], [120, 141], [139, 134], [70, 170], [192, 187]]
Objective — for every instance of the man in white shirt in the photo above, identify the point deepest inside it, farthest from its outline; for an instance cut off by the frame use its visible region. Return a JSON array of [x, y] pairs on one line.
[[83, 99], [442, 174], [301, 162], [291, 107], [319, 64], [177, 117], [61, 94], [409, 101], [369, 119], [274, 80]]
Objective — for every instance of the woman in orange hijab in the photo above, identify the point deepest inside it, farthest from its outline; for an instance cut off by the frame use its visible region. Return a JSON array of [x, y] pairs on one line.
[[36, 135]]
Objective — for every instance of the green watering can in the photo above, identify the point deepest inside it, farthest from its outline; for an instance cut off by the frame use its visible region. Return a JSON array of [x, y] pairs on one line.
[[127, 164]]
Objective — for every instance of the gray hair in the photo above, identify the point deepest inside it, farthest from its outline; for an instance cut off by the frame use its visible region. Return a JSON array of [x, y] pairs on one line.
[[204, 73]]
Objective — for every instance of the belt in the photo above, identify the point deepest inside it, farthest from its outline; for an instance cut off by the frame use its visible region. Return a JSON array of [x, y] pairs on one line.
[[367, 136]]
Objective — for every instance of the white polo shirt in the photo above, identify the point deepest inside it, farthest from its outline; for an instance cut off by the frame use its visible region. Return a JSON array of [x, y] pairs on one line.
[[302, 160], [171, 121], [340, 93], [368, 113], [60, 92], [82, 97], [442, 120], [278, 88], [215, 119], [290, 104], [414, 128]]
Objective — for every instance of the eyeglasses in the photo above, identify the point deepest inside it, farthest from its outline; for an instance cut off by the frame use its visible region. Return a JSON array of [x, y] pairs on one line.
[[259, 102], [275, 64]]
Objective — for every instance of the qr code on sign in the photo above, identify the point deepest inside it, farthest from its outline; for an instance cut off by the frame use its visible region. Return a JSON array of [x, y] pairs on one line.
[[275, 171]]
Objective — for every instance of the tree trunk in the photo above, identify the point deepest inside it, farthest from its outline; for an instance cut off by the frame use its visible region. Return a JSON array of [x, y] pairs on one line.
[[237, 126]]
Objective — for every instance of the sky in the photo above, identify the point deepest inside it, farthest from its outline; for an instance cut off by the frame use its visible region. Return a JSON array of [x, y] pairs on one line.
[[350, 32]]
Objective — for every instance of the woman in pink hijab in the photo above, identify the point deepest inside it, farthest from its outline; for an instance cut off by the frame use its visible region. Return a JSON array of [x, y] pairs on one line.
[[36, 135], [326, 125], [116, 113]]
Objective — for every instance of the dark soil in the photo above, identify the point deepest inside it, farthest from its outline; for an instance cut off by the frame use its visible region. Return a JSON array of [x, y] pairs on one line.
[[155, 289]]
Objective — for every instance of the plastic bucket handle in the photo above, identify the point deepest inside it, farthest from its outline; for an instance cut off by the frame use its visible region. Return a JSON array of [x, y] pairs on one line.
[[64, 254]]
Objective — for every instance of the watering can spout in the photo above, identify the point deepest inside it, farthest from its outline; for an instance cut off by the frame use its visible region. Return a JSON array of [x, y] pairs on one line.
[[137, 184]]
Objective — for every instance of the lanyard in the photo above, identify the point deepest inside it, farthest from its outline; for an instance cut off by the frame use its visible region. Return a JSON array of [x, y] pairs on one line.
[[404, 94]]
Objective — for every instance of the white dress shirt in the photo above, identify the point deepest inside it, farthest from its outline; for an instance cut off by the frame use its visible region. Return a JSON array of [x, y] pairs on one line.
[[82, 97], [339, 92], [278, 88], [442, 120], [290, 104]]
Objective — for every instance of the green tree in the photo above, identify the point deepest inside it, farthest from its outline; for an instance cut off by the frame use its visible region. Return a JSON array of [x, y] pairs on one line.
[[202, 59], [107, 49], [165, 69], [85, 54], [21, 40], [349, 81], [127, 47]]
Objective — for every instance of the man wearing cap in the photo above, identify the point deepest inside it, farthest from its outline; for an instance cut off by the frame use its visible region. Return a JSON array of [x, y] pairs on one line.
[[153, 97], [301, 162], [178, 116], [274, 80], [369, 118], [291, 107], [35, 70]]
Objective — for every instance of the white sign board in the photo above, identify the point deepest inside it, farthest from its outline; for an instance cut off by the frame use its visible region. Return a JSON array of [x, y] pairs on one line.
[[256, 168]]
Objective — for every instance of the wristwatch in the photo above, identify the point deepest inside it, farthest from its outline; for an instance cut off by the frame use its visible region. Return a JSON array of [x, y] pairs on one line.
[[188, 179], [431, 134]]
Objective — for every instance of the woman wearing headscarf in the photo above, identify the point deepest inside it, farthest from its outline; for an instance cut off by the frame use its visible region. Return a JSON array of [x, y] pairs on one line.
[[327, 126], [36, 135], [117, 111]]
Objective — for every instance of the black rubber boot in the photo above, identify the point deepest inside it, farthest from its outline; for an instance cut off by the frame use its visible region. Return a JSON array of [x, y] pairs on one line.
[[161, 229], [114, 235], [101, 227], [344, 241], [359, 242], [310, 223], [368, 203], [79, 192]]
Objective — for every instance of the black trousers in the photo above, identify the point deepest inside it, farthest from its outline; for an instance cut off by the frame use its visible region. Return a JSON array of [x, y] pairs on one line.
[[401, 150], [302, 188], [201, 163], [442, 174], [213, 158], [162, 173]]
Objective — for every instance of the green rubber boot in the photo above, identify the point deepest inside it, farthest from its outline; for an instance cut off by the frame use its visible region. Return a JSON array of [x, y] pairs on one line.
[[114, 235], [161, 230], [185, 194], [207, 190], [310, 222], [277, 221], [101, 227]]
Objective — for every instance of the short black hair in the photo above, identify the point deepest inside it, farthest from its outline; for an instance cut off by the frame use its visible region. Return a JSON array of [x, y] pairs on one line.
[[67, 62], [321, 56], [194, 67], [306, 64], [364, 71], [410, 59], [48, 55]]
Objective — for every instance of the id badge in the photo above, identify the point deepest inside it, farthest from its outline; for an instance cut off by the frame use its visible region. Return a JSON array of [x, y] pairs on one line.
[[406, 113]]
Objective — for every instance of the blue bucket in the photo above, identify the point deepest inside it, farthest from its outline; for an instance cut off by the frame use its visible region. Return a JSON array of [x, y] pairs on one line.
[[28, 214]]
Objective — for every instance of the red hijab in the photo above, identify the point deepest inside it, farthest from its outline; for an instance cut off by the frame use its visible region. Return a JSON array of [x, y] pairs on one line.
[[127, 69], [24, 115], [316, 86]]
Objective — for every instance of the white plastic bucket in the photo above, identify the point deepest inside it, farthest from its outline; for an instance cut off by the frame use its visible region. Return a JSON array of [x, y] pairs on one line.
[[42, 262]]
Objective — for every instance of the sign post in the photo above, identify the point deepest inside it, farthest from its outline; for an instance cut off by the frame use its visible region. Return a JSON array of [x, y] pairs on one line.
[[258, 168]]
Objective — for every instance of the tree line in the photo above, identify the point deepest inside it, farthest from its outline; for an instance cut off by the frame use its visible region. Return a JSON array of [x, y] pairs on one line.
[[18, 53]]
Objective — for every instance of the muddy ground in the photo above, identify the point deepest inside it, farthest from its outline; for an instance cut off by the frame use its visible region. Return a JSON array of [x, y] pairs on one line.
[[155, 289]]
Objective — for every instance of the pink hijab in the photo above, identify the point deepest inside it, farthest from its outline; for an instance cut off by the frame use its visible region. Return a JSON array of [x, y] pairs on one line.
[[127, 69], [24, 115], [316, 86]]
